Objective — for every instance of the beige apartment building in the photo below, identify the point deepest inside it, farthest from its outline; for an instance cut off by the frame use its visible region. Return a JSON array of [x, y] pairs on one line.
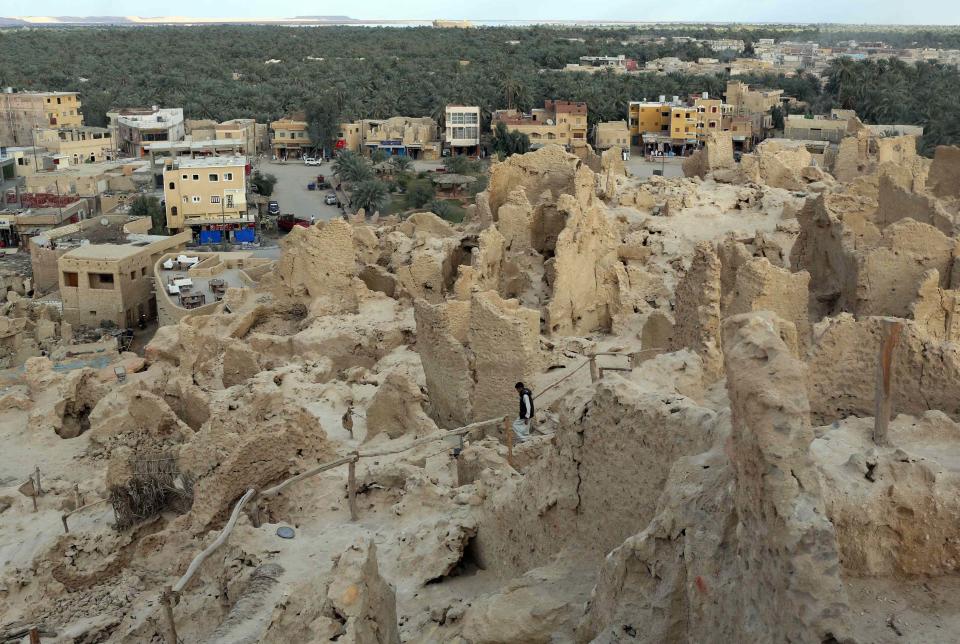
[[415, 137], [558, 122], [288, 137], [113, 282], [611, 134], [242, 130], [349, 137], [744, 100], [76, 145], [206, 191], [23, 112]]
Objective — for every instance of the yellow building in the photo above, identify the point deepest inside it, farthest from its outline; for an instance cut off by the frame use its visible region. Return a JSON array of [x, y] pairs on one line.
[[206, 193], [81, 144], [558, 122], [23, 112], [662, 124], [709, 116], [288, 137]]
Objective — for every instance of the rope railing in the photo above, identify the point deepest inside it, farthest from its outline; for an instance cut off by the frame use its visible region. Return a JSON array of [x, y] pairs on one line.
[[169, 595]]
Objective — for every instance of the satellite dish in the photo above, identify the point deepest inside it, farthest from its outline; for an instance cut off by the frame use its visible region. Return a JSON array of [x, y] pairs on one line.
[[104, 221]]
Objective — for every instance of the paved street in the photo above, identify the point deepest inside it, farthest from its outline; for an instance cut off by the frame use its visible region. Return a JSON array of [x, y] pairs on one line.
[[291, 189], [640, 167]]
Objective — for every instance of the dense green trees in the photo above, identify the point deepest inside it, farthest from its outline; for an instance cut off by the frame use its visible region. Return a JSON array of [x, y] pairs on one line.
[[370, 194], [219, 72], [323, 123], [507, 142], [147, 206], [264, 183]]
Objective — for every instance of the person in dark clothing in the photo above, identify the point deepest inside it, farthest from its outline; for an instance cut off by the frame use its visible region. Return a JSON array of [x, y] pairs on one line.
[[521, 426]]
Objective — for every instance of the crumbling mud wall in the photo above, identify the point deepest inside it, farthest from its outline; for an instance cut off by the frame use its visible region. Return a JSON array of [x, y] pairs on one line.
[[585, 288], [716, 155], [318, 266], [760, 286], [697, 311], [842, 375], [944, 177], [937, 310], [548, 169], [582, 493], [740, 548], [473, 353], [895, 508], [781, 164]]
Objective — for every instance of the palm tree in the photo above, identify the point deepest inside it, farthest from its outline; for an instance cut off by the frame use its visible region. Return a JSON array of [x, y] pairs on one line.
[[378, 156], [352, 167], [370, 195], [401, 163]]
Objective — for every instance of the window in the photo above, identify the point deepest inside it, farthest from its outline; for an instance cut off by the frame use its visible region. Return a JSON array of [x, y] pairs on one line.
[[133, 275], [70, 279], [215, 199], [213, 177], [196, 177], [173, 186], [100, 280], [186, 199], [229, 201], [195, 199], [143, 271], [228, 176], [185, 176], [93, 314], [58, 100], [472, 119]]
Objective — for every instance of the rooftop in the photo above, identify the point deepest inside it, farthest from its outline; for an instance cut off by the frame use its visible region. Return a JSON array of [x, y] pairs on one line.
[[211, 162], [192, 145], [134, 245], [44, 93], [160, 117]]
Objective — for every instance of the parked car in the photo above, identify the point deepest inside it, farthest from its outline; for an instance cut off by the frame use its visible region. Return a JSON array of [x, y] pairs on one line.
[[311, 161], [330, 199], [273, 208]]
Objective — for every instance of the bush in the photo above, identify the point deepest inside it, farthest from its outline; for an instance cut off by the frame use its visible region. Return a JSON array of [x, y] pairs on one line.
[[420, 192], [447, 210]]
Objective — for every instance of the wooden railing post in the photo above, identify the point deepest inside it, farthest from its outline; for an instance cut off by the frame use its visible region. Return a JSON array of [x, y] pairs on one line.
[[890, 334], [594, 371], [352, 487], [170, 632], [508, 437]]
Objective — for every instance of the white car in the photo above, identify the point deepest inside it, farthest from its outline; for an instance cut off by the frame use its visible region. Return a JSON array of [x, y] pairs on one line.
[[311, 161]]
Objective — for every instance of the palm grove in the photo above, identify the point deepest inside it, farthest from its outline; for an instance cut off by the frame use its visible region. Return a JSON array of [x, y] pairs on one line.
[[336, 74]]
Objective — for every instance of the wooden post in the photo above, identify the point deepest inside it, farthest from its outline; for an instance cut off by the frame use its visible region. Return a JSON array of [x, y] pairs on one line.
[[66, 528], [508, 437], [36, 471], [170, 633], [34, 635], [890, 334], [34, 497], [594, 372], [352, 487]]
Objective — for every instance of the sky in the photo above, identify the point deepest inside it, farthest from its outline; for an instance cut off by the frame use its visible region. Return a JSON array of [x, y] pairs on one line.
[[939, 12]]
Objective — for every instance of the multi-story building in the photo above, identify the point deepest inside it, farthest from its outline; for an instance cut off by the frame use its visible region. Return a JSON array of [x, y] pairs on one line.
[[137, 128], [206, 193], [415, 137], [462, 134], [21, 113], [288, 137], [243, 130], [744, 100], [662, 124], [76, 145], [558, 122], [611, 134], [100, 282]]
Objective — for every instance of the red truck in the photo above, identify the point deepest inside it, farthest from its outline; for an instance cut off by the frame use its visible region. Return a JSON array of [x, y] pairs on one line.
[[287, 222]]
